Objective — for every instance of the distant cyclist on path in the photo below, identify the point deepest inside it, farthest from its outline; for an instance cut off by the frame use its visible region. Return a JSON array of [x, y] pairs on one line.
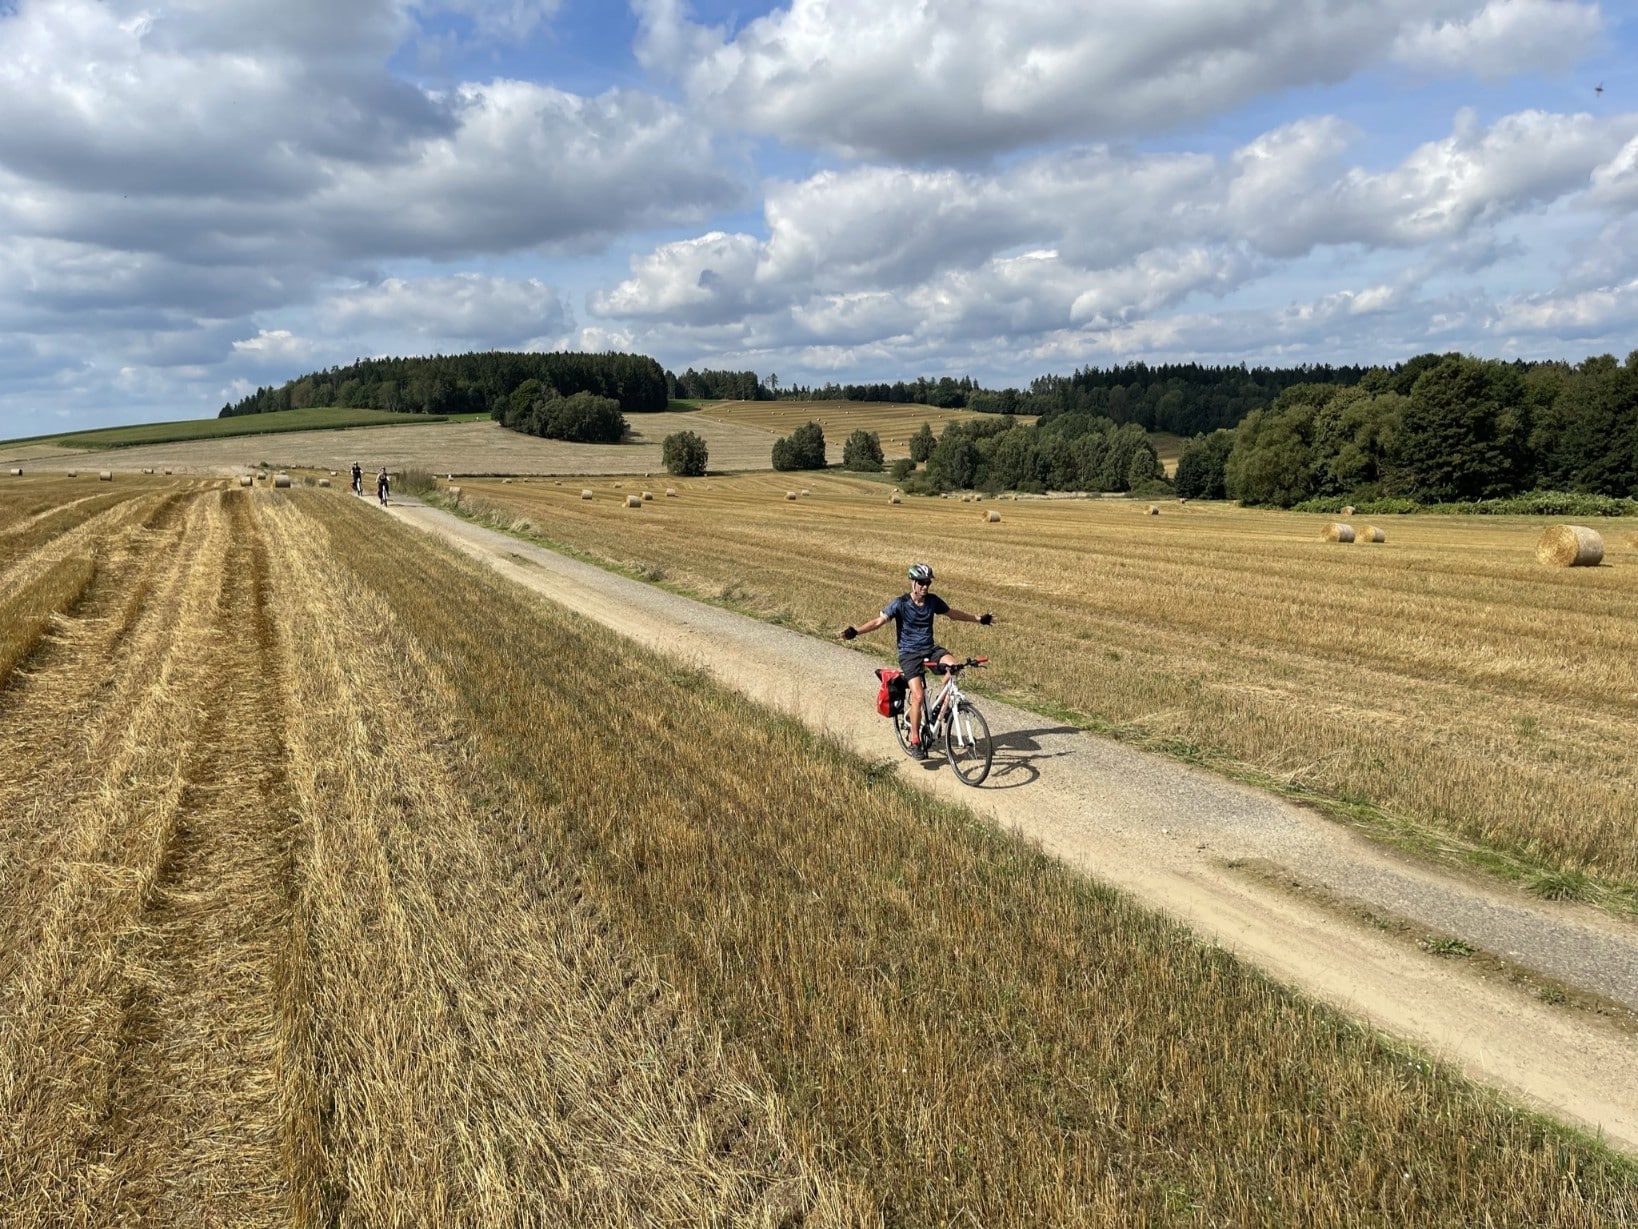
[[914, 613], [381, 486], [358, 478]]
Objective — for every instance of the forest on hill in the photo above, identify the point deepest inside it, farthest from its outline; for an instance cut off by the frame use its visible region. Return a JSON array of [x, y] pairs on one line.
[[1436, 428]]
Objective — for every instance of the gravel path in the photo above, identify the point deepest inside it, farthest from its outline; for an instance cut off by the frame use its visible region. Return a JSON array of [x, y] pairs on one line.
[[1172, 836]]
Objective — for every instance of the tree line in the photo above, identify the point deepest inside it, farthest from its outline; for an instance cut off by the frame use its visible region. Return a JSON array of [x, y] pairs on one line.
[[477, 383], [1440, 429]]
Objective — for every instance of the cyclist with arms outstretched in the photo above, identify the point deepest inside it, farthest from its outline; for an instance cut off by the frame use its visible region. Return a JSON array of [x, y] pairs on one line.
[[914, 613]]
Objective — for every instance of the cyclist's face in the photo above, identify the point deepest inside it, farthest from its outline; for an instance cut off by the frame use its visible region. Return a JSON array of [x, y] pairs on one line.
[[919, 586]]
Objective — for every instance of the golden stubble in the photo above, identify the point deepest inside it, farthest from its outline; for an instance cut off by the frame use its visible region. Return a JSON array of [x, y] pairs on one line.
[[1443, 676]]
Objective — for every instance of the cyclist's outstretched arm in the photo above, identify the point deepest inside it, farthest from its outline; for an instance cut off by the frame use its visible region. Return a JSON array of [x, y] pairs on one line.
[[850, 631], [961, 616]]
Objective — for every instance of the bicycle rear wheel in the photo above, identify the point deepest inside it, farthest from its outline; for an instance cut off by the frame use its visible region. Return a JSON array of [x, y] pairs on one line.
[[967, 745]]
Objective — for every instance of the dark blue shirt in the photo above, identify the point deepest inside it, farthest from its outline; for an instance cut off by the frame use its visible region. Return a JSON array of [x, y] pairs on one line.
[[915, 623]]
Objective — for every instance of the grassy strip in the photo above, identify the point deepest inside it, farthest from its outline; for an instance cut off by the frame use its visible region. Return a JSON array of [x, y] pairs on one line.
[[960, 1026], [26, 614], [316, 419]]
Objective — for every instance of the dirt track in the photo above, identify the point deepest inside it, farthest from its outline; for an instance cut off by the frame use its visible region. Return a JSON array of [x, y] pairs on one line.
[[1177, 839]]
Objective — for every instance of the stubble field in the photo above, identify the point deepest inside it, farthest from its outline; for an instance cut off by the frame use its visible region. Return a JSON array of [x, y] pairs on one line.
[[1442, 686], [342, 887]]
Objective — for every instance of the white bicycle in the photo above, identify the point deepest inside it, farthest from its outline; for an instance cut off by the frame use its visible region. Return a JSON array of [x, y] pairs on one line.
[[952, 717]]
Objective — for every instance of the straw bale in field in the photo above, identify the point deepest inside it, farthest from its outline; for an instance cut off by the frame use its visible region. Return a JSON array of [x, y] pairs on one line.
[[324, 482], [647, 495], [1348, 511], [633, 501], [804, 490], [895, 498], [1336, 531], [1372, 533], [585, 493], [991, 517], [1154, 509], [73, 473], [17, 472], [455, 493], [1571, 546], [244, 479], [148, 470], [790, 494], [671, 492], [167, 472], [281, 480]]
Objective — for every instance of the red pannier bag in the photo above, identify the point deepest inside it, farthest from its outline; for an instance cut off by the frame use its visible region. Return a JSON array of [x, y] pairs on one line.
[[890, 696]]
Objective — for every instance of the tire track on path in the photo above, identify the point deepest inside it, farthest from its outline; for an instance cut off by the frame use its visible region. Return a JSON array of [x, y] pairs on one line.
[[1168, 834]]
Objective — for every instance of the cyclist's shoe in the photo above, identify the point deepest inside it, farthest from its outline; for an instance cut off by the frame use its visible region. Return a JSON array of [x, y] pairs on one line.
[[918, 751]]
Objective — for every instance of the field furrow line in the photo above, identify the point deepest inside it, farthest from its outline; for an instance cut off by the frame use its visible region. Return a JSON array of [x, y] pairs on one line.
[[89, 832], [196, 1128], [493, 1053]]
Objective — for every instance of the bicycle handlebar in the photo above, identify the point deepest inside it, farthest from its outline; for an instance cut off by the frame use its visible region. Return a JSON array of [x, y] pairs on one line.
[[938, 667]]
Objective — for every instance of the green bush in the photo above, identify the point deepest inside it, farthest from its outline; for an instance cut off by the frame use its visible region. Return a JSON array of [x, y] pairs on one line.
[[685, 454], [863, 452], [902, 469], [803, 448]]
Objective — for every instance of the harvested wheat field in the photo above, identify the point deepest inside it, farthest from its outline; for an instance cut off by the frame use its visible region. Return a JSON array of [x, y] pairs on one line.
[[1444, 688], [342, 888], [456, 447], [894, 423]]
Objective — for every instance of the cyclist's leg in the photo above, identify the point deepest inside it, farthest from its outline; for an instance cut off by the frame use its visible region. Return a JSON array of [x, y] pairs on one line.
[[915, 677]]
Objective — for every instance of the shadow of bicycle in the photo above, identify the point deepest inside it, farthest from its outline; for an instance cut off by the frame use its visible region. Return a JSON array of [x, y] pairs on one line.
[[1018, 754]]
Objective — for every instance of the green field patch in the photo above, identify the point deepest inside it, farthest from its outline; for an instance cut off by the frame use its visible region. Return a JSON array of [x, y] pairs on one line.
[[315, 419]]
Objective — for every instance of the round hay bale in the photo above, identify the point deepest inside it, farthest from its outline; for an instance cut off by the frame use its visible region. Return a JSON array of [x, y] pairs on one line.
[[1571, 546], [1336, 531], [634, 501], [804, 491], [1372, 533], [992, 517], [585, 493], [671, 492], [1348, 511], [281, 480], [167, 473], [647, 495], [506, 482], [73, 473], [148, 471], [894, 498], [1154, 509], [790, 494], [245, 480], [17, 471], [324, 482]]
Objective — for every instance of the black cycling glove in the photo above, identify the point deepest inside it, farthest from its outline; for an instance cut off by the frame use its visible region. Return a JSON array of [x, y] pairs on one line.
[[986, 619], [849, 632]]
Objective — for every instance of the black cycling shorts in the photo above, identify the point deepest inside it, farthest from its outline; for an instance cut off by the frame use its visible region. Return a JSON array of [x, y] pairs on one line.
[[911, 663]]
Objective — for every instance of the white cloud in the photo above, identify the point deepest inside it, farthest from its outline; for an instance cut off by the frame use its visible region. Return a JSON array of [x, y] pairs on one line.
[[1503, 38], [952, 79], [277, 346], [466, 307], [1099, 240]]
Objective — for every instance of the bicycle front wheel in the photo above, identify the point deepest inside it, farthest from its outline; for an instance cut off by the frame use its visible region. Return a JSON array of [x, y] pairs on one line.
[[967, 745]]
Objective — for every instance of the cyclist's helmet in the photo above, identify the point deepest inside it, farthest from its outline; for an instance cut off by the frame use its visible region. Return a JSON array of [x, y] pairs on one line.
[[921, 573]]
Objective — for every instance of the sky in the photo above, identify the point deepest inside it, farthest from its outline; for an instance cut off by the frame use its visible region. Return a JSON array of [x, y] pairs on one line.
[[199, 197]]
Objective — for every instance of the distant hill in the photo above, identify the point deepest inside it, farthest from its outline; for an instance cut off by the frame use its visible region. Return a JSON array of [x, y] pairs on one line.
[[272, 423], [477, 383]]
